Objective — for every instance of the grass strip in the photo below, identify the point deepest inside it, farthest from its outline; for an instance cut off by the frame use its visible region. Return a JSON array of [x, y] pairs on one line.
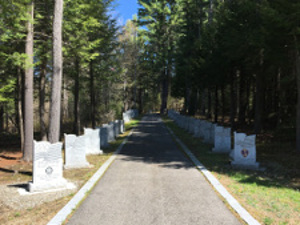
[[263, 196]]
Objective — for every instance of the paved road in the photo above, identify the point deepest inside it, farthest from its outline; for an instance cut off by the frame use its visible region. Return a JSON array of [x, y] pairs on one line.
[[152, 182]]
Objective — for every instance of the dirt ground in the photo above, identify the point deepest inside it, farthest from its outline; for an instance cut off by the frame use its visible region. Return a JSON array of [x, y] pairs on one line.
[[24, 209], [35, 208], [13, 169], [38, 208]]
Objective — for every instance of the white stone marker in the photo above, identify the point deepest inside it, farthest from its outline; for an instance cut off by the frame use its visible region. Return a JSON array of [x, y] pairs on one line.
[[197, 128], [75, 152], [207, 126], [117, 127], [244, 152], [212, 133], [180, 121], [186, 123], [110, 132], [202, 128], [222, 140], [48, 168], [113, 123], [103, 137], [126, 117], [122, 126], [192, 122], [92, 139]]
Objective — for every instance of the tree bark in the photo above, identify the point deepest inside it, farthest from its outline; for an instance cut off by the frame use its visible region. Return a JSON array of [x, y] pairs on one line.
[[278, 100], [65, 100], [203, 102], [28, 89], [42, 86], [140, 100], [55, 110], [76, 98], [208, 115], [223, 103], [164, 90], [164, 95], [20, 88], [242, 99], [297, 70], [192, 102], [247, 103], [1, 118], [92, 92], [43, 73], [186, 96], [216, 114], [233, 98], [259, 97]]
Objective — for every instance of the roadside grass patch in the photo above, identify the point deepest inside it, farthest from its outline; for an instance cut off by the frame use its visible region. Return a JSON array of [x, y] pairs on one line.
[[271, 197], [43, 213]]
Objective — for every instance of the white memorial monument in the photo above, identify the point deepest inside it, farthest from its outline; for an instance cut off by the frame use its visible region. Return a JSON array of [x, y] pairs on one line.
[[212, 133], [126, 117], [207, 126], [191, 125], [75, 152], [244, 152], [110, 132], [103, 137], [48, 168], [222, 142], [117, 127], [122, 126], [92, 139], [197, 128]]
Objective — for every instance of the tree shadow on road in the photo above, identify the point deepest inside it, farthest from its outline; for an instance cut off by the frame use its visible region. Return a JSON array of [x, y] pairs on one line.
[[151, 143]]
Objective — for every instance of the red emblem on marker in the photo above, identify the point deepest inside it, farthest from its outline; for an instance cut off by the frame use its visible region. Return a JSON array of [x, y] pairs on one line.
[[245, 152]]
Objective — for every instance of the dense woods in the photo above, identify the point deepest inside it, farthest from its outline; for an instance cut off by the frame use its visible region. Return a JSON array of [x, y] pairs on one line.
[[59, 68], [230, 61], [233, 61]]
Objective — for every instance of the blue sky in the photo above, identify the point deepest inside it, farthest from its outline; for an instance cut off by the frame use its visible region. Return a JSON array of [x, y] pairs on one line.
[[125, 9]]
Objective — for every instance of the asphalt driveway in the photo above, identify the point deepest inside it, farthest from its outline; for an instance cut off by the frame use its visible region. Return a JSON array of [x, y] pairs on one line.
[[152, 182]]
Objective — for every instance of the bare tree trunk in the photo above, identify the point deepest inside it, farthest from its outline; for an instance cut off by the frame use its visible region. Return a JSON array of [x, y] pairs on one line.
[[223, 103], [259, 97], [6, 120], [253, 91], [92, 90], [55, 110], [42, 87], [233, 98], [65, 100], [164, 91], [216, 114], [43, 73], [140, 101], [278, 100], [242, 98], [1, 118], [28, 91], [186, 96], [76, 98], [297, 70], [192, 102], [20, 106], [125, 95], [208, 115], [247, 103], [203, 102]]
